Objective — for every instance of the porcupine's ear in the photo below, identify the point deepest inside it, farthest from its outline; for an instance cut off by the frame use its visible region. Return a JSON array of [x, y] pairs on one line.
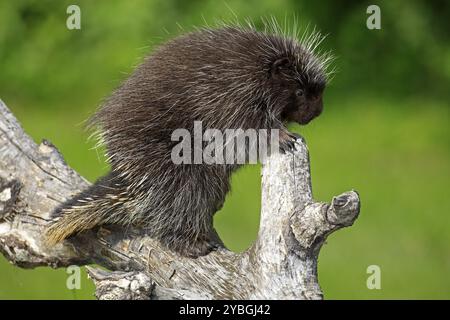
[[278, 66]]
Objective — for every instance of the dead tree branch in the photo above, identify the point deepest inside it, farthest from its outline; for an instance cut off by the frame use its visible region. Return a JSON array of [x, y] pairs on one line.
[[281, 264]]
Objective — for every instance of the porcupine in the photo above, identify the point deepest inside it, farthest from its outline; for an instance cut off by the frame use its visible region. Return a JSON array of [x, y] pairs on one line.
[[228, 77]]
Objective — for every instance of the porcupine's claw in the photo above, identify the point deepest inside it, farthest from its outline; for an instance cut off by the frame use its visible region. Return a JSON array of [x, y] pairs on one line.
[[287, 142]]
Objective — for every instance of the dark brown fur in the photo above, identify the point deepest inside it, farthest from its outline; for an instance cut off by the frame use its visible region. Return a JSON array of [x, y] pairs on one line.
[[227, 78]]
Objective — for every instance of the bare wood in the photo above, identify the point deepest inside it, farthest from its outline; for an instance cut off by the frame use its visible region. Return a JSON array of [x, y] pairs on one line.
[[281, 264]]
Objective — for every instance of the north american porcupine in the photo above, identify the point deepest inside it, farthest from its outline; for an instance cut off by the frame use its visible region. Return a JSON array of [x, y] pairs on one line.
[[230, 77]]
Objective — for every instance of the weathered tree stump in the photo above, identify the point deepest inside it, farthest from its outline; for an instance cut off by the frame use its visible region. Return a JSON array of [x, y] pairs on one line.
[[281, 264]]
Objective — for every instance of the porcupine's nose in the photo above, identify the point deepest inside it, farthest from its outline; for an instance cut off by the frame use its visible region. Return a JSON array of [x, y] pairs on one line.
[[317, 105], [313, 110]]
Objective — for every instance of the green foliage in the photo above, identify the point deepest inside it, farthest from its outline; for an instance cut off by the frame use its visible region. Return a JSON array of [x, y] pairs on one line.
[[384, 131]]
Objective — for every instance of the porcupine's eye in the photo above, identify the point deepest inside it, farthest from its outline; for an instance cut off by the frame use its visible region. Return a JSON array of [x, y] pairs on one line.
[[299, 93]]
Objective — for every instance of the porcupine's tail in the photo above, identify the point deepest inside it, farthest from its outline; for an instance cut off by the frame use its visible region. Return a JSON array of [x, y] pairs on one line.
[[95, 206]]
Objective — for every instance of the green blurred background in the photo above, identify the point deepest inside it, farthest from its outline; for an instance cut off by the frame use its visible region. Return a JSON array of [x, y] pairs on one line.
[[384, 131]]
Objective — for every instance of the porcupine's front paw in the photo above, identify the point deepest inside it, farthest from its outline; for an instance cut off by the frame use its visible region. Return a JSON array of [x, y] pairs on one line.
[[287, 141]]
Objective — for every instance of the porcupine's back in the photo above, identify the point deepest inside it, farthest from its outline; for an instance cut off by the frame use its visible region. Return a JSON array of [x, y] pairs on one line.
[[216, 76]]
